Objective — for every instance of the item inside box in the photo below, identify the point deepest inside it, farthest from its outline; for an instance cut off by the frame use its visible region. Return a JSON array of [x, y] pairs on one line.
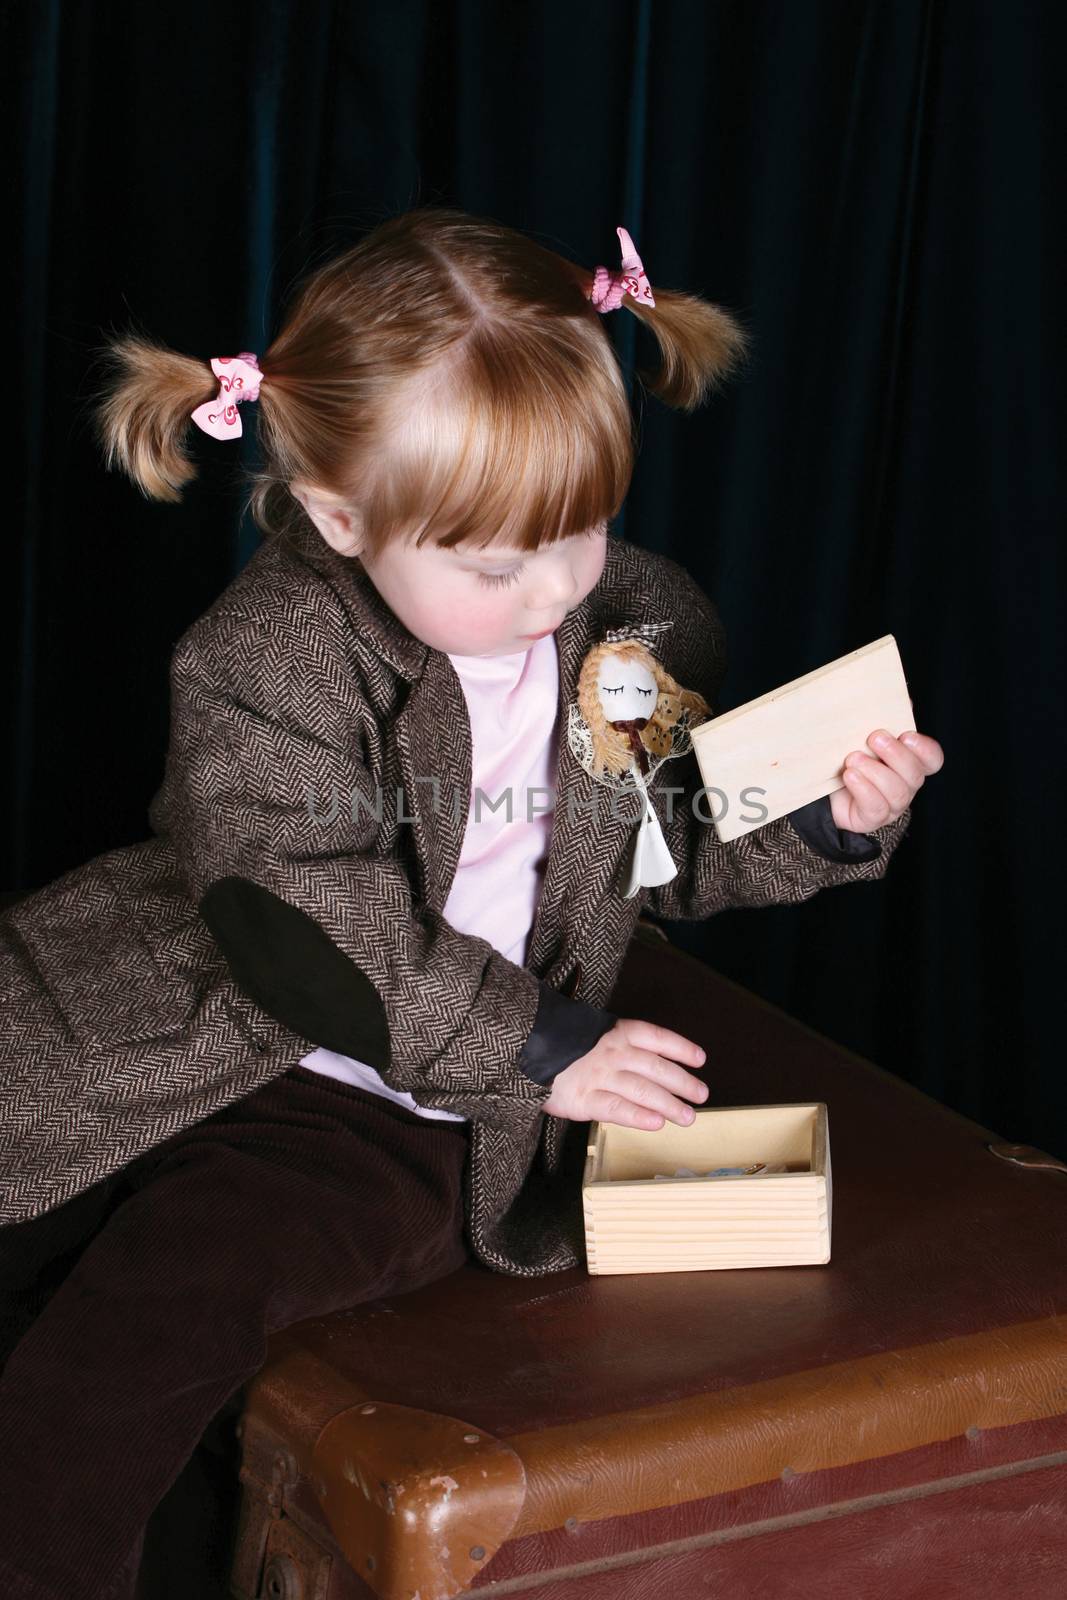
[[758, 1169], [764, 1137]]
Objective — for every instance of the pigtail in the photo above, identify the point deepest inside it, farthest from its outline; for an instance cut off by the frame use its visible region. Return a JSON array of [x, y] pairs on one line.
[[446, 377], [142, 412], [702, 346]]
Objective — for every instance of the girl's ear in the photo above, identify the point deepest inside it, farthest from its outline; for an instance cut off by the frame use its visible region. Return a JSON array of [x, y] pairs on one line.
[[336, 521]]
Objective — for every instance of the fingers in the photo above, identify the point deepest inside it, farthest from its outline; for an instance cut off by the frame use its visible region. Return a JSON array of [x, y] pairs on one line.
[[879, 793], [647, 1089], [639, 1104], [649, 1093], [882, 786], [629, 1076], [607, 1107], [914, 756], [899, 757], [928, 750], [650, 1036]]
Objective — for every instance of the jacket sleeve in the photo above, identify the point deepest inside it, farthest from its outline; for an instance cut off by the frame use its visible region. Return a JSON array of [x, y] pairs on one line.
[[272, 818], [784, 862]]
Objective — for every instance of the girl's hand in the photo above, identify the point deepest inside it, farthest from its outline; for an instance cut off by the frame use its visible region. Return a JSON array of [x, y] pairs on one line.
[[627, 1077], [878, 788]]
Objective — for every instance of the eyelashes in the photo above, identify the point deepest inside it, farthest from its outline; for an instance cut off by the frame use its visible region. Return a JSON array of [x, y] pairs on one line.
[[496, 580], [622, 686], [506, 579]]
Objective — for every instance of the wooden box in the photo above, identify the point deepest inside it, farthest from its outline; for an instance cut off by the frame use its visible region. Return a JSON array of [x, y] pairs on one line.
[[638, 1222]]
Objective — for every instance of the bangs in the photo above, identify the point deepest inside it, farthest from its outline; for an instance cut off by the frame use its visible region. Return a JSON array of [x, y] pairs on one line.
[[517, 438]]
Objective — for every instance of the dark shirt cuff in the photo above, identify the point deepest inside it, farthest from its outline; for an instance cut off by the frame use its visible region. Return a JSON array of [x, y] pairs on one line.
[[563, 1030], [815, 825]]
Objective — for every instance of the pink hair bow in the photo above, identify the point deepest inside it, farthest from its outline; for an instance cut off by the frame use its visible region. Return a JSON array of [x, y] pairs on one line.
[[609, 287], [239, 380]]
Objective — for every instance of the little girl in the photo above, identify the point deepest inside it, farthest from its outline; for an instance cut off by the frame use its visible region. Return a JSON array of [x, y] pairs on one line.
[[321, 1038]]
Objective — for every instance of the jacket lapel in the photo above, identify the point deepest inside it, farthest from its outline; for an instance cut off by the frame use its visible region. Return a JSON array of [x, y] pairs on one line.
[[569, 884], [588, 839], [433, 737]]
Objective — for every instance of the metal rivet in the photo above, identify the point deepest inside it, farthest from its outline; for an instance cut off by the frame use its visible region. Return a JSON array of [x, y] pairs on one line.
[[973, 1432], [478, 1552], [787, 1472], [366, 1410], [283, 1578], [471, 1438], [570, 1524]]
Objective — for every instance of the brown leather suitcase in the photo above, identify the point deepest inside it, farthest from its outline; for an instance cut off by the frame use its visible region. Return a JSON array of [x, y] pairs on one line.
[[893, 1422]]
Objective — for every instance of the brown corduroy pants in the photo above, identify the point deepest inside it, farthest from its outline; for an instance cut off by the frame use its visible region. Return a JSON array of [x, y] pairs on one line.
[[132, 1313]]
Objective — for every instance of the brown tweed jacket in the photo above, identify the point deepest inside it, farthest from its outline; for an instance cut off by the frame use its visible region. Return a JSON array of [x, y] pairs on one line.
[[291, 895]]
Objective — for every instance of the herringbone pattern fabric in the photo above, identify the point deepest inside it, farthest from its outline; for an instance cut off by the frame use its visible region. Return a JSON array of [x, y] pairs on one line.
[[300, 705]]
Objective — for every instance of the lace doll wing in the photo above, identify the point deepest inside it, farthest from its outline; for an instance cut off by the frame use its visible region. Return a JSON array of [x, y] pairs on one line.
[[579, 739]]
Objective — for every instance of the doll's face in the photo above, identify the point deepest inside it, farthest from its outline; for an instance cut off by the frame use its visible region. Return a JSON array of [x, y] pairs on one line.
[[626, 688]]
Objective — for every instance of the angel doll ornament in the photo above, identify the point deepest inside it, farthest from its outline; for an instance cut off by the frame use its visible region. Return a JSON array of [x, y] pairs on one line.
[[630, 717]]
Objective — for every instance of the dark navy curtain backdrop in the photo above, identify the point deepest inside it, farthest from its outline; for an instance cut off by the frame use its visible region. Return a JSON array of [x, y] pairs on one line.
[[875, 189]]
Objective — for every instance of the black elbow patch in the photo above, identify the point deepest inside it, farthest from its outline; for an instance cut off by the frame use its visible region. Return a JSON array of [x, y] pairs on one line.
[[290, 966]]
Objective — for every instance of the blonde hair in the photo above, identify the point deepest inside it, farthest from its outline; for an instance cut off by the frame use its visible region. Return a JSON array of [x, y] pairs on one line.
[[447, 376]]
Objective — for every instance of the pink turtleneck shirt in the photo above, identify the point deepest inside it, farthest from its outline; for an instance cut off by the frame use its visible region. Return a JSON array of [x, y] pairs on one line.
[[513, 704]]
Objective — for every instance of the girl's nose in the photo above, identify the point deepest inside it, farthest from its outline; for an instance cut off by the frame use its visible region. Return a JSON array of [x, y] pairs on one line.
[[553, 589]]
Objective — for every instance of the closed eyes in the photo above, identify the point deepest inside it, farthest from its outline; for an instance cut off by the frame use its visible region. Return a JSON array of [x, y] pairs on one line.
[[622, 687], [505, 579]]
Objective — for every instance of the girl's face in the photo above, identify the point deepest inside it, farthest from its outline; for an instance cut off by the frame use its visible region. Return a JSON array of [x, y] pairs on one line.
[[489, 602]]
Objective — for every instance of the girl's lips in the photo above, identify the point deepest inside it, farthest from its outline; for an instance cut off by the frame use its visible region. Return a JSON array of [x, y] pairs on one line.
[[542, 635]]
